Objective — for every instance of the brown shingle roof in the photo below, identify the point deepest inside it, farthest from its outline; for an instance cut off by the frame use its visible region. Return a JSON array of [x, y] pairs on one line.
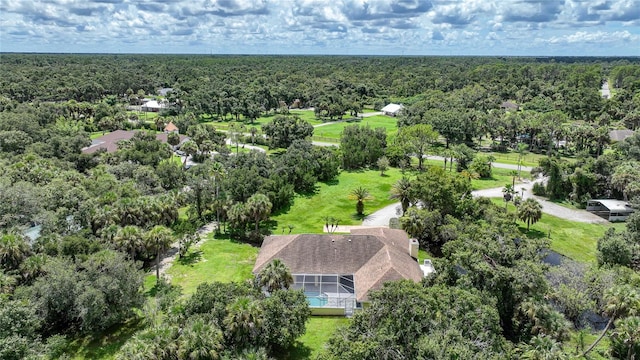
[[109, 142], [170, 127], [373, 256]]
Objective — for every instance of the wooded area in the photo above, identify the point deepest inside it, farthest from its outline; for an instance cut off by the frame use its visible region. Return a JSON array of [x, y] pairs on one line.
[[82, 233]]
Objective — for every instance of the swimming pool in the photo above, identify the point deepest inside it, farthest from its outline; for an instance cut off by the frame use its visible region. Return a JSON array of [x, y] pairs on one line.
[[316, 299]]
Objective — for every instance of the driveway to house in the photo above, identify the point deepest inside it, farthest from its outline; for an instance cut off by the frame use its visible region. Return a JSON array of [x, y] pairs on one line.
[[494, 164], [382, 216], [246, 146]]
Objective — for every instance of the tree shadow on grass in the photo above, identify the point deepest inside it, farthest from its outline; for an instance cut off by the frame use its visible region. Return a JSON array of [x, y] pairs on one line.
[[532, 233], [106, 344], [332, 182], [297, 351], [359, 217], [191, 258]]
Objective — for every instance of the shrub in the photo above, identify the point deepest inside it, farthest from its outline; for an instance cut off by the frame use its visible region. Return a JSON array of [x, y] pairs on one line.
[[538, 189]]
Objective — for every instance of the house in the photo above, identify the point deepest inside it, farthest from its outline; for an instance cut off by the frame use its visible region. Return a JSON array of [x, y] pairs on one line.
[[620, 135], [337, 272], [392, 109], [171, 128], [610, 209], [153, 106], [109, 142], [509, 106], [164, 91]]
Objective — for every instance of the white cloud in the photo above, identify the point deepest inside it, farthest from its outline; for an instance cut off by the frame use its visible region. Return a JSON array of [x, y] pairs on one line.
[[598, 37], [318, 26]]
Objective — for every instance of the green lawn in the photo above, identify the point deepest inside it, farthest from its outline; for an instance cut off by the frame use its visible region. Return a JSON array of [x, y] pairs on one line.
[[223, 124], [97, 134], [530, 159], [576, 240], [216, 260], [334, 131], [319, 330], [307, 115], [225, 260], [332, 199], [576, 345], [500, 177], [104, 345]]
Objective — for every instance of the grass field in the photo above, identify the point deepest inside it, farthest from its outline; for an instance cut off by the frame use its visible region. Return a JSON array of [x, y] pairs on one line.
[[575, 240], [225, 260], [500, 177], [577, 344], [216, 260], [333, 132], [332, 199], [319, 330], [104, 345], [307, 115]]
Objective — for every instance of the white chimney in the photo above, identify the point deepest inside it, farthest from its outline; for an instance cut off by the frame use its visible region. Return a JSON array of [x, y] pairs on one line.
[[413, 248]]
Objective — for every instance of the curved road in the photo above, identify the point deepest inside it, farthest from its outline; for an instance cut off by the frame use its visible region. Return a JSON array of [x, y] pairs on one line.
[[382, 216]]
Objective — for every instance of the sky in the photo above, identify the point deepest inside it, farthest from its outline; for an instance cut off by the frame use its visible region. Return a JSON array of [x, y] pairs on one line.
[[343, 27]]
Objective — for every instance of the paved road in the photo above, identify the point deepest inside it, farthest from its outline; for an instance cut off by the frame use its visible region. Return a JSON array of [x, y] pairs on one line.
[[382, 216], [246, 146], [495, 164]]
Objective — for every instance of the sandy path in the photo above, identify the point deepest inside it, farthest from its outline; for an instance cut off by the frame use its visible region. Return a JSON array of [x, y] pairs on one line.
[[171, 254]]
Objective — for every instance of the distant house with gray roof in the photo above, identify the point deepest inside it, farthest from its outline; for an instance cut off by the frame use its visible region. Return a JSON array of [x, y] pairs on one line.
[[620, 135], [610, 209], [392, 109]]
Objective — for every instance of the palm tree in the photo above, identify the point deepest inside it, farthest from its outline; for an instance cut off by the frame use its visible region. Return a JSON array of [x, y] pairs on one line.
[[360, 194], [173, 139], [218, 172], [625, 340], [619, 301], [254, 131], [243, 320], [190, 148], [530, 211], [522, 151], [33, 266], [543, 348], [129, 239], [513, 174], [13, 249], [275, 276], [158, 239], [7, 282], [508, 192], [413, 222], [200, 340], [258, 207], [401, 191]]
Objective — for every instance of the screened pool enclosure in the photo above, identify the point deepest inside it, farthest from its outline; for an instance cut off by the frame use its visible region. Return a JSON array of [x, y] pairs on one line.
[[330, 291]]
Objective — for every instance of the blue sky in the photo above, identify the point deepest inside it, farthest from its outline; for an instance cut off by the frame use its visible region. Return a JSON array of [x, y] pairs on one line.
[[349, 27]]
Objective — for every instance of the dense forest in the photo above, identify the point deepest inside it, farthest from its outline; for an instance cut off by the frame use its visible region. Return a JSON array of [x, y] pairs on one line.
[[105, 220]]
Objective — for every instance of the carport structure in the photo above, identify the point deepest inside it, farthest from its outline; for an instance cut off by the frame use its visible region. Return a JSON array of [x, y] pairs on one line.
[[610, 209]]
